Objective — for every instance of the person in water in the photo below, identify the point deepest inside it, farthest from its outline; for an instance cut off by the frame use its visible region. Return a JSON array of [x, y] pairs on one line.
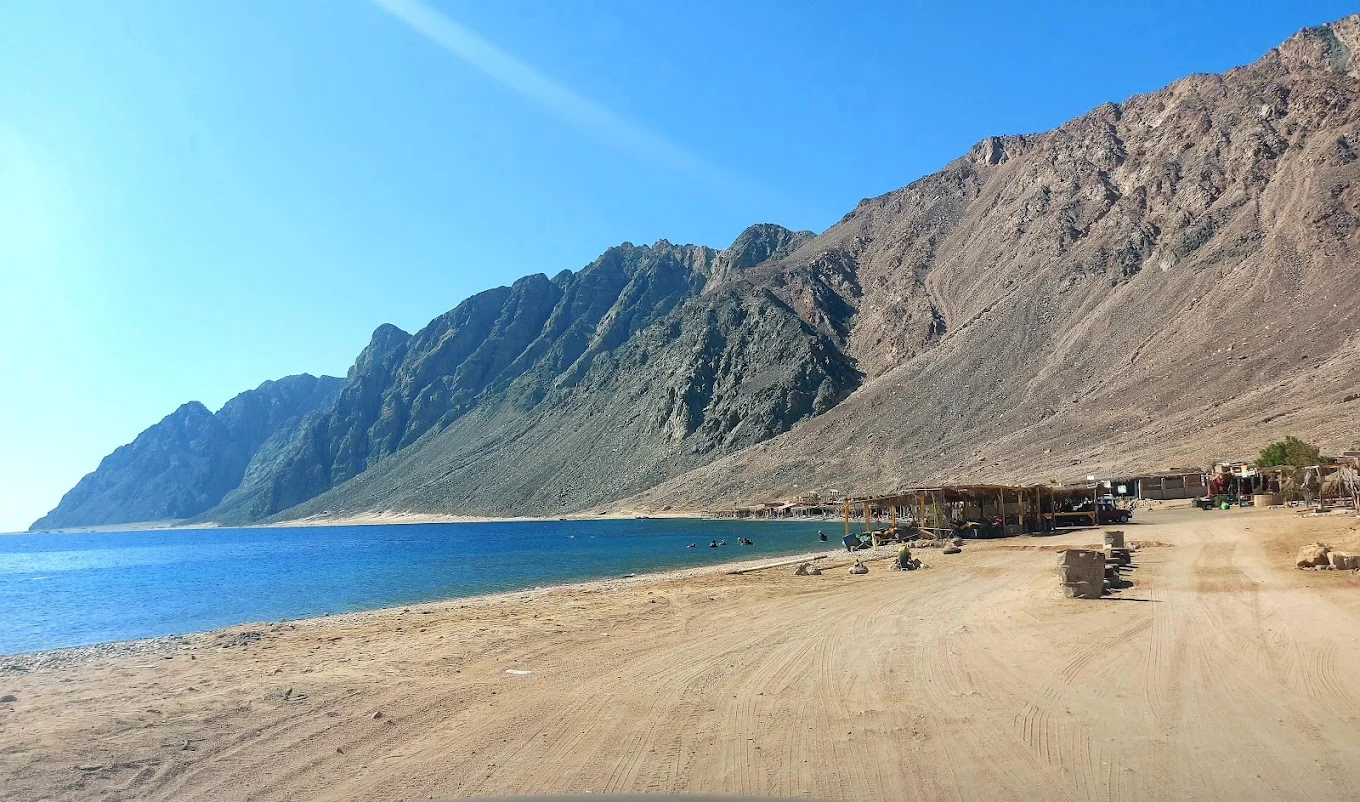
[[712, 544], [821, 536]]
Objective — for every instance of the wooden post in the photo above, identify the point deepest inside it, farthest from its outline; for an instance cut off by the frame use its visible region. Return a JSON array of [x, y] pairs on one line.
[[1052, 507], [847, 517], [1001, 499], [1020, 507]]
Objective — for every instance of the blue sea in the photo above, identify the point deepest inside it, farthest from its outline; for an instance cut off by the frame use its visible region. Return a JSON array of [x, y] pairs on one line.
[[71, 589]]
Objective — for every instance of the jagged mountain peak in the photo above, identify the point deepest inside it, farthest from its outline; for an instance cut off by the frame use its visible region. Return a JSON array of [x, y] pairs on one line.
[[190, 460], [762, 242], [1332, 47], [189, 409]]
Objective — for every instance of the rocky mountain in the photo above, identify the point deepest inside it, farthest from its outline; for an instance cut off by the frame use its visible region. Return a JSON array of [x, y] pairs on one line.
[[1160, 281], [191, 459], [1163, 281], [557, 394]]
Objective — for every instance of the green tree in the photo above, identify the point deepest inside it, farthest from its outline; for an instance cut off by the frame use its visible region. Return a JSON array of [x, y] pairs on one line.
[[1289, 451]]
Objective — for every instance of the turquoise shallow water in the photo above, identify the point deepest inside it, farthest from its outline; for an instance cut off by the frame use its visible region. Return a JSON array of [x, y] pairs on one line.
[[71, 589]]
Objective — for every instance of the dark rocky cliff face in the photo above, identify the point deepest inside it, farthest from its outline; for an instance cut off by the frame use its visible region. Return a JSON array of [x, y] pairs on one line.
[[552, 358], [189, 461]]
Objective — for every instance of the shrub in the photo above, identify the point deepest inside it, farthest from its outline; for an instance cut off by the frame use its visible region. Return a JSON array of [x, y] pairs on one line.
[[1289, 451]]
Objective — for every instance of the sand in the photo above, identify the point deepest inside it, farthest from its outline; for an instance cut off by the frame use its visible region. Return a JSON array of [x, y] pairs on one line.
[[1223, 673]]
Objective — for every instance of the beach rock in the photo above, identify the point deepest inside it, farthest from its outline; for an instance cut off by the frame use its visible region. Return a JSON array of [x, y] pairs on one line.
[[859, 568], [377, 715], [1343, 561], [808, 569], [230, 640], [1314, 555], [9, 697], [952, 550]]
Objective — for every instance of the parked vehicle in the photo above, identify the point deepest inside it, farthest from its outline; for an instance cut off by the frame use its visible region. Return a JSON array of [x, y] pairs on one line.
[[1110, 514], [1218, 501]]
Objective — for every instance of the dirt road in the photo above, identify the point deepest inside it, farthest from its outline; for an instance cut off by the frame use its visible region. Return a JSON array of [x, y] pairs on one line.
[[1223, 674]]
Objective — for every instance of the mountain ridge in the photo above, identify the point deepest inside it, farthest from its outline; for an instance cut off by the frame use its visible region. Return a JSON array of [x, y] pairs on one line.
[[1138, 286], [187, 462]]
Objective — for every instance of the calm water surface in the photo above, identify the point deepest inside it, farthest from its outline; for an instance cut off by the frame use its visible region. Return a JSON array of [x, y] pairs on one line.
[[69, 589]]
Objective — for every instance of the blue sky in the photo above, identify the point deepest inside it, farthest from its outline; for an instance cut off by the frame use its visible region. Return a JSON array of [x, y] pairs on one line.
[[199, 196]]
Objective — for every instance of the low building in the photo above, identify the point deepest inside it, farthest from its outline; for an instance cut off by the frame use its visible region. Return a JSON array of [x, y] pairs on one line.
[[1170, 484]]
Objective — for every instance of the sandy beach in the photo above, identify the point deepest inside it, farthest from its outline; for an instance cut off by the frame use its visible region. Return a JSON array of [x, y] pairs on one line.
[[1223, 673]]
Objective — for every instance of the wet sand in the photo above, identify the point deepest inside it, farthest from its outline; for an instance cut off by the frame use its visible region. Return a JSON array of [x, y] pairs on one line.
[[1223, 673]]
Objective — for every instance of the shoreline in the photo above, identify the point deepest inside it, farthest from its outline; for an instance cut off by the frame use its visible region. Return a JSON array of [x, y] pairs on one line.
[[391, 518], [975, 673], [18, 663]]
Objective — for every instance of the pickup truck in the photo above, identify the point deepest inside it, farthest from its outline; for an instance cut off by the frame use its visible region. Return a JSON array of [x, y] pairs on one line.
[[1110, 514], [1106, 514]]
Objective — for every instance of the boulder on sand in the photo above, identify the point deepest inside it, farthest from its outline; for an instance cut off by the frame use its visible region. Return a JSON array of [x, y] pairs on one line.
[[808, 569], [859, 568], [1314, 555], [1342, 561]]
